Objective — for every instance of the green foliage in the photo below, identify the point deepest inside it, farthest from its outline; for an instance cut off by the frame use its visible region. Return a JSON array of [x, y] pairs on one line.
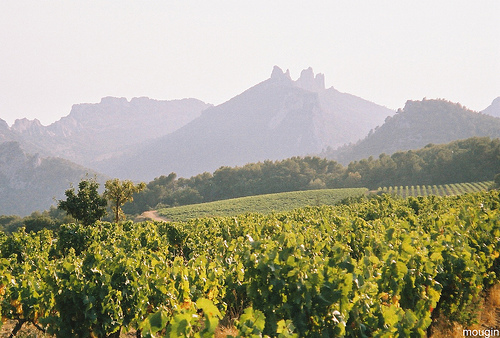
[[10, 223], [262, 204], [437, 190], [377, 267], [38, 223], [49, 219], [470, 160], [74, 238], [86, 206], [266, 177], [251, 323], [120, 192], [426, 122]]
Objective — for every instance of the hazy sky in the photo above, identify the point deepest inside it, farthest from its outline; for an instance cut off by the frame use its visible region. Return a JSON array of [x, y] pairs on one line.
[[54, 54]]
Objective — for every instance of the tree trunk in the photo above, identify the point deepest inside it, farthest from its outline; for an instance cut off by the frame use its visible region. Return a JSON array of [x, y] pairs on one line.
[[18, 326]]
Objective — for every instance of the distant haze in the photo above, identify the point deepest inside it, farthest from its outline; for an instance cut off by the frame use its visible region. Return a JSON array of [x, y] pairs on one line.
[[58, 53]]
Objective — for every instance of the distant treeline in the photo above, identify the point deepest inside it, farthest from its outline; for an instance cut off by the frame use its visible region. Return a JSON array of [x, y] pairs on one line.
[[470, 160], [49, 219]]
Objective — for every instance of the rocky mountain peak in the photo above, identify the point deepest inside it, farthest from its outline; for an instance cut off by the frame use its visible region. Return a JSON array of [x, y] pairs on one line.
[[110, 100], [308, 81], [25, 126], [279, 75], [3, 125], [494, 108]]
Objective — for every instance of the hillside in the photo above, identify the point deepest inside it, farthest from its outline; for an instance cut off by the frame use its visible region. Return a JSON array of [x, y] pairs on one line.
[[262, 204], [494, 108], [31, 182], [7, 134], [105, 130], [277, 118], [418, 124], [471, 160]]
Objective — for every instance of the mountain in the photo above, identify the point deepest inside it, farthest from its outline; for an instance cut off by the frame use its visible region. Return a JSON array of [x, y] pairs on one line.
[[275, 119], [31, 182], [105, 130], [5, 133], [494, 108], [420, 123]]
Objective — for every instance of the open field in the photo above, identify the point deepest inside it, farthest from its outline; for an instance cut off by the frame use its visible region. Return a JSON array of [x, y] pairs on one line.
[[261, 204]]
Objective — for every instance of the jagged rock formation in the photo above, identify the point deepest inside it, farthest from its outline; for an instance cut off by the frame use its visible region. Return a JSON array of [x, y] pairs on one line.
[[308, 81], [105, 130], [31, 127], [5, 133]]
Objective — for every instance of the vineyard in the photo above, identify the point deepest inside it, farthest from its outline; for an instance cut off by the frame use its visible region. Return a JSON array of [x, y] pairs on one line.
[[381, 267], [264, 204], [437, 190]]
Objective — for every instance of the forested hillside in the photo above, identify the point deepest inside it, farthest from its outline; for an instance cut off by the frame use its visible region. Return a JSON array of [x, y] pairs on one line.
[[418, 124], [32, 182], [471, 160]]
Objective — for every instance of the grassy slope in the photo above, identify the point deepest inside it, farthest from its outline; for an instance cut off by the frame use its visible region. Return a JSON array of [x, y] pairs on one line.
[[261, 204]]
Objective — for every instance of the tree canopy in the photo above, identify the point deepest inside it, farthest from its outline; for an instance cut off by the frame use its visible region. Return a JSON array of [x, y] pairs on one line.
[[120, 192], [87, 205]]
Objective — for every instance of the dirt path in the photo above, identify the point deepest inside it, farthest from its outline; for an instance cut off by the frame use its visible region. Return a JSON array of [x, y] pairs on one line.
[[153, 215]]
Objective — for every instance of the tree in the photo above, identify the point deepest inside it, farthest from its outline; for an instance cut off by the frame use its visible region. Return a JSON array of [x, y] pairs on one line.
[[86, 206], [120, 192]]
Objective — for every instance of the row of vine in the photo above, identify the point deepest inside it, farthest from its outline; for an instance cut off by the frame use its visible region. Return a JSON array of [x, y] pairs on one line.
[[381, 267]]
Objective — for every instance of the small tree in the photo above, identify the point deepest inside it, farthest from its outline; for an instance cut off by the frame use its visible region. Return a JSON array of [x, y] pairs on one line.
[[86, 206], [120, 192]]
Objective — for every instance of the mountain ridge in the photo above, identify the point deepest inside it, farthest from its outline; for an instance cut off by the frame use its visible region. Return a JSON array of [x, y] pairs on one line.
[[30, 182], [274, 119], [94, 131], [419, 123]]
